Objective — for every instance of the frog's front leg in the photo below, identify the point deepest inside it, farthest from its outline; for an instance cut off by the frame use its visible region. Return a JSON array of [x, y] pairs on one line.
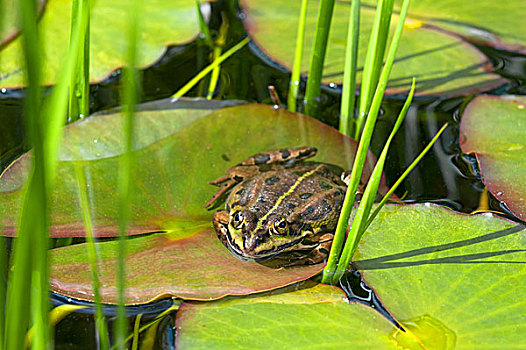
[[287, 156]]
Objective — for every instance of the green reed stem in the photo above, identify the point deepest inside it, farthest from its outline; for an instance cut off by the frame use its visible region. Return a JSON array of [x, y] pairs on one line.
[[349, 71], [366, 203], [361, 153], [129, 93], [188, 86], [79, 84], [404, 175], [373, 60], [4, 265], [100, 322], [19, 287], [298, 57], [319, 50]]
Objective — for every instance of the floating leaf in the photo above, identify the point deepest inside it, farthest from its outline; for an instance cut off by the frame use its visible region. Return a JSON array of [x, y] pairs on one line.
[[177, 152], [441, 61], [494, 128], [163, 22], [10, 27], [464, 272], [453, 280], [198, 267], [306, 319]]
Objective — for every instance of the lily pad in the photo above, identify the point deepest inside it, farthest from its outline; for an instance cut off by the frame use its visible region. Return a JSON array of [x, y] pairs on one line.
[[483, 21], [453, 280], [162, 23], [306, 319], [195, 267], [464, 272], [177, 152], [494, 128], [441, 61], [10, 27]]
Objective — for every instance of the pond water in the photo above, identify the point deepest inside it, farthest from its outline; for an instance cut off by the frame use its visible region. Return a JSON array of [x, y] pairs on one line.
[[445, 176]]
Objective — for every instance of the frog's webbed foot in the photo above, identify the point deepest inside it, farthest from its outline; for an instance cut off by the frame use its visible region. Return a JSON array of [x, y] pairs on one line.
[[225, 183], [284, 155]]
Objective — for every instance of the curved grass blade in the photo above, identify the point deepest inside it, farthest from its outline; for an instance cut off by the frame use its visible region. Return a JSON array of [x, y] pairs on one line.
[[366, 203], [182, 91], [404, 175], [363, 146], [100, 322]]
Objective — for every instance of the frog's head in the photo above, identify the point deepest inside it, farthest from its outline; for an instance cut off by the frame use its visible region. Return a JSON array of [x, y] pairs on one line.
[[253, 237]]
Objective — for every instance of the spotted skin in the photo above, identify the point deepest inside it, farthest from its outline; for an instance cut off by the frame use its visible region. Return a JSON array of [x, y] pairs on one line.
[[279, 208]]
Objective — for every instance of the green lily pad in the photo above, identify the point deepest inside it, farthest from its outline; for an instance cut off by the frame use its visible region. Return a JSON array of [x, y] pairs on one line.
[[453, 280], [441, 61], [464, 272], [177, 152], [306, 319], [484, 21], [162, 23], [494, 128]]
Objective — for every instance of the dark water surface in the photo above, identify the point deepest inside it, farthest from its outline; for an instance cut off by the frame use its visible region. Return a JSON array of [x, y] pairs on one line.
[[445, 175]]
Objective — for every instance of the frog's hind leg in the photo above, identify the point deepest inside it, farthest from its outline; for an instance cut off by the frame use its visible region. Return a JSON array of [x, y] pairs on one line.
[[288, 156]]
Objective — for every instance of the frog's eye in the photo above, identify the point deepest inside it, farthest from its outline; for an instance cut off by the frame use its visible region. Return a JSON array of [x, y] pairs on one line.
[[237, 220], [280, 227]]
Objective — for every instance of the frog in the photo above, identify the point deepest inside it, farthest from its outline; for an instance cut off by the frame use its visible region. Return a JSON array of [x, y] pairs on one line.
[[279, 207]]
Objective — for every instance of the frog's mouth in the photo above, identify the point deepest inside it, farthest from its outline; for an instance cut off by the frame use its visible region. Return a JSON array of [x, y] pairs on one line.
[[261, 255]]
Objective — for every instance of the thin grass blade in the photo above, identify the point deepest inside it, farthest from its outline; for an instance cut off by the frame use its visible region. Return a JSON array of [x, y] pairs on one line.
[[298, 57], [373, 60], [79, 84], [349, 71], [188, 86], [361, 153], [404, 175], [366, 203], [319, 49], [100, 322]]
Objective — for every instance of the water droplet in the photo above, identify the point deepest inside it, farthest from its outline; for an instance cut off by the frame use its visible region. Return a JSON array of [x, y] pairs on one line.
[[424, 332], [95, 140]]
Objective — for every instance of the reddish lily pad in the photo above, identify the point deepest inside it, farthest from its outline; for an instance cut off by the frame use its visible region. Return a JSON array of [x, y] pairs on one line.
[[198, 267], [440, 60], [176, 154], [494, 128], [172, 165]]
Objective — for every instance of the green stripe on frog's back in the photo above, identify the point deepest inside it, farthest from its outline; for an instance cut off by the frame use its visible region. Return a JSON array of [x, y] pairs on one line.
[[286, 194]]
